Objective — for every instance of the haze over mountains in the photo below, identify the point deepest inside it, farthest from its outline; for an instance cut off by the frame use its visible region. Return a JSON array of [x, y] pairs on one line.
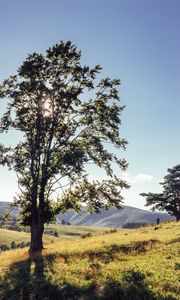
[[107, 218], [5, 207], [113, 217]]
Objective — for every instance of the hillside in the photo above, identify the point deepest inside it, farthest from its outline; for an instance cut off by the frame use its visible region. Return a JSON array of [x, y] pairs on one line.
[[63, 232], [5, 206], [113, 217], [8, 236], [107, 218], [137, 264]]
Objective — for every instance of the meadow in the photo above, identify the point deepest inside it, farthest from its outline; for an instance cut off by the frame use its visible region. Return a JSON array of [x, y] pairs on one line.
[[63, 231], [136, 264]]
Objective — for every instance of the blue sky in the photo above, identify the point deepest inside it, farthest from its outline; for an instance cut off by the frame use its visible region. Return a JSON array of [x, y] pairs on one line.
[[137, 41]]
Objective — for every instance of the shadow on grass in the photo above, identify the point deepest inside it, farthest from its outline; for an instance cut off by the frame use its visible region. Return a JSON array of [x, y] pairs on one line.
[[31, 279], [177, 240]]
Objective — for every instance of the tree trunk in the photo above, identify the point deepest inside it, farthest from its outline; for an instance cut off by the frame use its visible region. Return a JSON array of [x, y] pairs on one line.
[[37, 229]]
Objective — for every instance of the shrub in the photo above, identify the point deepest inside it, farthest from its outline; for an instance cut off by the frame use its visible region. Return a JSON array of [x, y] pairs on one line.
[[13, 245], [56, 234], [86, 235]]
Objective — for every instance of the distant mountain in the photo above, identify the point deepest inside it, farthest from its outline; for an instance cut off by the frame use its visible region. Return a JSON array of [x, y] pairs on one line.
[[5, 207], [107, 218], [113, 217]]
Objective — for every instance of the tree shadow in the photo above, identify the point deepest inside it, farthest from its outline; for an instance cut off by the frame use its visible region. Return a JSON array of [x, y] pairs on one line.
[[28, 280], [31, 280], [177, 240]]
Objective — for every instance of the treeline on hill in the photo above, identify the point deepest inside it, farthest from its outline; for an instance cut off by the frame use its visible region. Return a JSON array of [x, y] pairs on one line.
[[15, 226], [14, 245], [134, 225]]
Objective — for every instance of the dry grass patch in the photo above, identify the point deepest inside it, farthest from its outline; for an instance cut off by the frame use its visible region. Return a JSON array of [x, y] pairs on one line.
[[128, 264]]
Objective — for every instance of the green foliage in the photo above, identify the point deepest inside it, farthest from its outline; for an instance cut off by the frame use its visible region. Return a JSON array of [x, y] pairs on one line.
[[86, 235], [67, 118], [6, 217], [13, 245], [4, 247], [169, 199]]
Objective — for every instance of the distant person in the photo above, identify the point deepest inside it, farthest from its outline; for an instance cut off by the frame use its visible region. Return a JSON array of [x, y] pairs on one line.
[[157, 220]]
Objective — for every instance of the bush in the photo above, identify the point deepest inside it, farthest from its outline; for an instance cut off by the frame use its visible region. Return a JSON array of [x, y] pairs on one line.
[[86, 235], [113, 230], [134, 225], [4, 247], [56, 234], [13, 245]]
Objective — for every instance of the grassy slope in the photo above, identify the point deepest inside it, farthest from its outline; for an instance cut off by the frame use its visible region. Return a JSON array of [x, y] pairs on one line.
[[136, 264], [71, 231], [67, 231], [7, 236]]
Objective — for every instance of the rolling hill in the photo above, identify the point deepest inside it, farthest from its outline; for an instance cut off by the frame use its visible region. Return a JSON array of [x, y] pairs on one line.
[[8, 236], [113, 217], [107, 218], [117, 265]]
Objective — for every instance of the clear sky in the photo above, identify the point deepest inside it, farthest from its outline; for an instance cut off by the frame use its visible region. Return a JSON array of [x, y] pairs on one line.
[[137, 41]]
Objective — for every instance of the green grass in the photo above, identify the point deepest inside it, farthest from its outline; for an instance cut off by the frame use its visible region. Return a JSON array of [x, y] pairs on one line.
[[140, 264], [72, 231], [64, 231], [7, 236]]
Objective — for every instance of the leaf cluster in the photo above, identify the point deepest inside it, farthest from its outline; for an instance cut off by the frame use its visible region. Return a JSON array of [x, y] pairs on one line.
[[67, 119], [169, 198]]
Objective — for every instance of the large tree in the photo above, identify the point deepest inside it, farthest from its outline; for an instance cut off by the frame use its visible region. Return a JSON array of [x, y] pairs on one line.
[[68, 120], [169, 198]]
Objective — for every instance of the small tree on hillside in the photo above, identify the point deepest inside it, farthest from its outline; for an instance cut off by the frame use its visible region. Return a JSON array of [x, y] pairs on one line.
[[64, 130], [169, 199]]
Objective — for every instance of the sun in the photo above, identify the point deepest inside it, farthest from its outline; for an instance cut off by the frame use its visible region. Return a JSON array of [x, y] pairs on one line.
[[46, 106]]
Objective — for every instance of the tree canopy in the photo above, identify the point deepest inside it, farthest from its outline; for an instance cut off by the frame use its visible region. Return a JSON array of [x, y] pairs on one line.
[[68, 119], [169, 198]]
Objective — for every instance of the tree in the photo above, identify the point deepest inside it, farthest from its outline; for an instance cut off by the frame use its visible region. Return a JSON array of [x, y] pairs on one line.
[[68, 120], [13, 245], [169, 199], [63, 222]]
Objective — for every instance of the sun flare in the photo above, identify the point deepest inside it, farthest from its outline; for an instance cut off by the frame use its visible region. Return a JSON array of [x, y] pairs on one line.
[[46, 106]]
